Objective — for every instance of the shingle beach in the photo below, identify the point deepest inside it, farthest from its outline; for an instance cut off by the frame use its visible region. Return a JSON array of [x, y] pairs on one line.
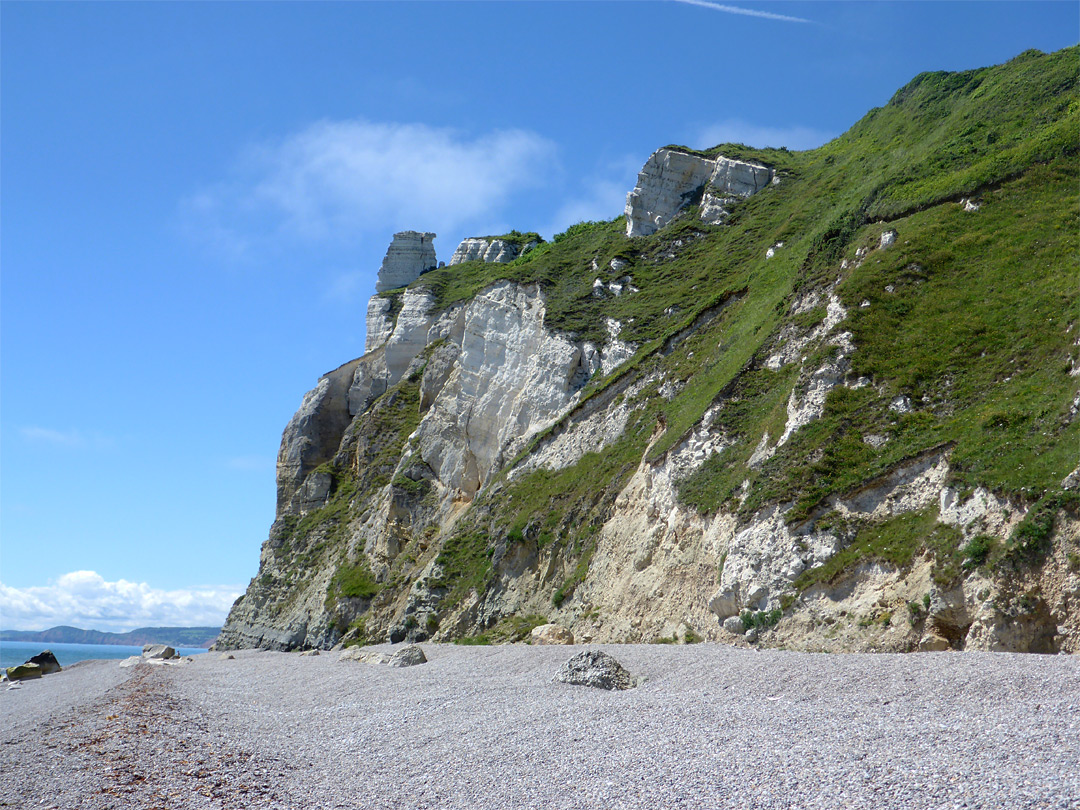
[[710, 726]]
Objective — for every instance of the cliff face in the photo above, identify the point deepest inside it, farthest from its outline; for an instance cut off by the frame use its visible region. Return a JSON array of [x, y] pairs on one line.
[[822, 400]]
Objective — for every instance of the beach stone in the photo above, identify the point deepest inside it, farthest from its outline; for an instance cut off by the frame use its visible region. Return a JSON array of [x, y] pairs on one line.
[[131, 661], [364, 656], [47, 661], [932, 642], [408, 657], [594, 668], [227, 657], [24, 672], [158, 651], [733, 624], [310, 652], [551, 634]]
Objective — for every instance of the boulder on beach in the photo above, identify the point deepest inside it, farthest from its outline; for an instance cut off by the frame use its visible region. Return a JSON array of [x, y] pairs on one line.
[[23, 672], [47, 661], [158, 651], [131, 661], [364, 655], [408, 657], [594, 668]]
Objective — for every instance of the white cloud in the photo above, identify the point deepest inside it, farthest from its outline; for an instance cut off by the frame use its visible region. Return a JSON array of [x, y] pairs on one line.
[[601, 200], [63, 438], [736, 131], [350, 287], [602, 195], [335, 180], [85, 599], [746, 12]]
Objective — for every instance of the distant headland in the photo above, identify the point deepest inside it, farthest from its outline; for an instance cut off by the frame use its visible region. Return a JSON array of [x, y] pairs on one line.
[[174, 636]]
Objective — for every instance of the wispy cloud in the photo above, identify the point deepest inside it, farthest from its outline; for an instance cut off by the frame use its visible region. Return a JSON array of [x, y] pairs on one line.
[[737, 131], [336, 180], [746, 12], [350, 287], [601, 195], [85, 599], [64, 438]]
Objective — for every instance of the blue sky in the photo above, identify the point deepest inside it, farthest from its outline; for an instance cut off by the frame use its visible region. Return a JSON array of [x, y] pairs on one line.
[[196, 198]]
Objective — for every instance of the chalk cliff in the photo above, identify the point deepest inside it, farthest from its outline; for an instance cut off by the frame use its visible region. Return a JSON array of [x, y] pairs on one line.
[[672, 180], [839, 412], [409, 256]]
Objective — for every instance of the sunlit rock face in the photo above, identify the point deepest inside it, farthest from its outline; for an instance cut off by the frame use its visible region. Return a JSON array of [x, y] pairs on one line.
[[409, 256], [671, 180], [498, 251]]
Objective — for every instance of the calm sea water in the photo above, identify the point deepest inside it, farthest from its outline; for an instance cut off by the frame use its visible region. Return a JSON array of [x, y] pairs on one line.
[[16, 652]]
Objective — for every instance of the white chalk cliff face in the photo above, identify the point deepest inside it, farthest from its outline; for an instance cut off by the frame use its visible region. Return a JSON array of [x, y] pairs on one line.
[[428, 429], [671, 181], [475, 249], [511, 378], [409, 256]]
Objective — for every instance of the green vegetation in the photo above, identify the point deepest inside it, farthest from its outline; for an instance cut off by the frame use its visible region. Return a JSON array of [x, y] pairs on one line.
[[973, 333], [760, 619], [896, 542], [354, 581], [969, 317], [465, 561], [977, 550], [581, 570], [1030, 542], [518, 238], [508, 630]]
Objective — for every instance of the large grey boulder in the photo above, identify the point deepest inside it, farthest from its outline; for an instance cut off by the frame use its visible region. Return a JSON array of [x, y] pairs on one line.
[[671, 180], [163, 651], [594, 668], [409, 256], [24, 672], [364, 656], [47, 661], [408, 657]]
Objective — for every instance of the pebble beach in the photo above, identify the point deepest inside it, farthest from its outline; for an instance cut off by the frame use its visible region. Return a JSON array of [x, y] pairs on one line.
[[708, 726]]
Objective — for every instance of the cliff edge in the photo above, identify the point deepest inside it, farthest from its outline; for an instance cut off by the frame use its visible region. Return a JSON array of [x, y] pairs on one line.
[[823, 400]]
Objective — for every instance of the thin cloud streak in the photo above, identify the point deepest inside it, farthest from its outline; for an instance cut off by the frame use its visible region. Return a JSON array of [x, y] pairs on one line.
[[63, 438], [746, 12]]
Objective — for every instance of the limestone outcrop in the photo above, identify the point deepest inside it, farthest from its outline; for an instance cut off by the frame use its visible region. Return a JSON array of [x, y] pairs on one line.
[[672, 180], [476, 249], [409, 256]]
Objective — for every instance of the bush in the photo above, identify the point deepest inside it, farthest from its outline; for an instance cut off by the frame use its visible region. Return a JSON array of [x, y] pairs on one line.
[[760, 619], [977, 551]]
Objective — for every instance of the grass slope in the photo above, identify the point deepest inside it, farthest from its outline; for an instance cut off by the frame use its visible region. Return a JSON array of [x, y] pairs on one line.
[[971, 315]]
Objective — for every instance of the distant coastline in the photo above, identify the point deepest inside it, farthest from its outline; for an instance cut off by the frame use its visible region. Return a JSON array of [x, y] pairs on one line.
[[174, 636]]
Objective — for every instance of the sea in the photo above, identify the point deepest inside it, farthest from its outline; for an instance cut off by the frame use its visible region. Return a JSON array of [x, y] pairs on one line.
[[13, 653]]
